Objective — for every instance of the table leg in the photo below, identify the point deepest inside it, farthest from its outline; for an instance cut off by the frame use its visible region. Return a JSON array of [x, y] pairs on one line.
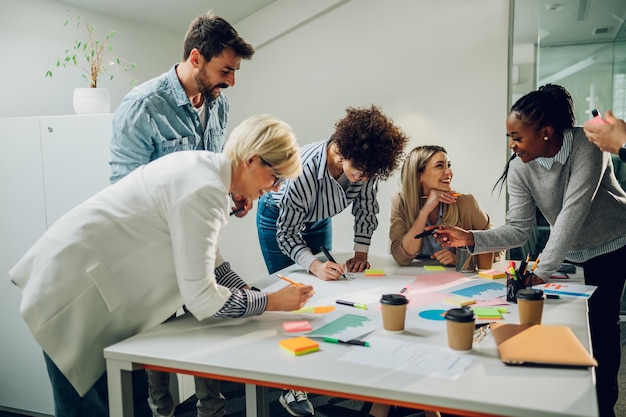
[[257, 401], [120, 383]]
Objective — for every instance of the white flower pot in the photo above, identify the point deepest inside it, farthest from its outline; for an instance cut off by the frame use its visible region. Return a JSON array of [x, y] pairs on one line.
[[92, 100]]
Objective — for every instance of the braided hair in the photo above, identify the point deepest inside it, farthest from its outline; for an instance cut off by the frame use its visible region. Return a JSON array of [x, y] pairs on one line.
[[550, 105]]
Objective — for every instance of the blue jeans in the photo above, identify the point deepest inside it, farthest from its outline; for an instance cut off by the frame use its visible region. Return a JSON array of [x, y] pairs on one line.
[[95, 403], [315, 234]]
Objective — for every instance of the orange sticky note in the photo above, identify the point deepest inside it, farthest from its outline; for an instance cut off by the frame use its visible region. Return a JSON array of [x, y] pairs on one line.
[[374, 273], [299, 345]]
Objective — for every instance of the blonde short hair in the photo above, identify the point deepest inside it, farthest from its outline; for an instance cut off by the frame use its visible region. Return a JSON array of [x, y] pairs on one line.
[[269, 138]]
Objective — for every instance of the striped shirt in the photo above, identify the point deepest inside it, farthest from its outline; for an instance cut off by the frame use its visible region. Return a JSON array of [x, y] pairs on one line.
[[315, 195]]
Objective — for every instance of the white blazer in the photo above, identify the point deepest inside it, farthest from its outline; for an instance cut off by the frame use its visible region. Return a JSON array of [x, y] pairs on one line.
[[125, 260]]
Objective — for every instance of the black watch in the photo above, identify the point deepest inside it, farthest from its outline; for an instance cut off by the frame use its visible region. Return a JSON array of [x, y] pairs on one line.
[[622, 152]]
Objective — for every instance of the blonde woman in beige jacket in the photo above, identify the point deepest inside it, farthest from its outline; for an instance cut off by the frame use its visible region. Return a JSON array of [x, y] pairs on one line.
[[427, 198]]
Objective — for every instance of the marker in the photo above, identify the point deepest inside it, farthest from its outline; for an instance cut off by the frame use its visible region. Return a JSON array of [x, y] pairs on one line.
[[347, 342], [330, 258], [352, 304], [424, 234], [553, 296], [453, 194], [237, 210]]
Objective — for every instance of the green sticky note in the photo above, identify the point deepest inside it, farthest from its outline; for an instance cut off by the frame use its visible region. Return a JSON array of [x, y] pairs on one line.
[[487, 312]]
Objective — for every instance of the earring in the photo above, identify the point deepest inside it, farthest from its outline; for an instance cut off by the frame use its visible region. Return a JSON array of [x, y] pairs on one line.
[[545, 138]]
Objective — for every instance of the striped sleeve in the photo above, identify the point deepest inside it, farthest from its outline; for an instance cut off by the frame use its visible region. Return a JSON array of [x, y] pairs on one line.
[[365, 210]]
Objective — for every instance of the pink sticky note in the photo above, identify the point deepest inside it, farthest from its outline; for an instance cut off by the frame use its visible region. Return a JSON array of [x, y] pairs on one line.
[[297, 326]]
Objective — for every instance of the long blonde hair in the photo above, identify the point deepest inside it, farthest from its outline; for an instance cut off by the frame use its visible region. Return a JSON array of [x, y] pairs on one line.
[[411, 194]]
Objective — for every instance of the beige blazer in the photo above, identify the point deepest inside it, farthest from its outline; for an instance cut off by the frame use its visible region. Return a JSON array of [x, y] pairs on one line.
[[125, 260], [471, 217]]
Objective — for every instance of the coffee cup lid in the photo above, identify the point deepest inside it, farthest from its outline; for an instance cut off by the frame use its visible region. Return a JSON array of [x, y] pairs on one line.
[[463, 314], [529, 294], [393, 299]]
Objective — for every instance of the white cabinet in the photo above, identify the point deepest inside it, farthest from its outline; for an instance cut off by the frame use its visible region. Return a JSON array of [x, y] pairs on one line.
[[49, 165]]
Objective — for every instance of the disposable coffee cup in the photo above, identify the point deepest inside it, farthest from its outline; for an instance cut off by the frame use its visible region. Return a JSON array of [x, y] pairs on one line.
[[530, 306], [485, 260], [460, 324], [393, 307], [465, 261]]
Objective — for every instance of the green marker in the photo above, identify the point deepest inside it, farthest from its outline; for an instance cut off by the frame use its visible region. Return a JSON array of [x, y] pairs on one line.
[[347, 342]]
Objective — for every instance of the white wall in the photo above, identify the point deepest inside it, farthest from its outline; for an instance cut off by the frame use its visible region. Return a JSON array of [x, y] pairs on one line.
[[434, 67], [32, 36]]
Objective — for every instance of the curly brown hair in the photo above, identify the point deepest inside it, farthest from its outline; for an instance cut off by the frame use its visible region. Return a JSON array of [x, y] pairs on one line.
[[370, 140]]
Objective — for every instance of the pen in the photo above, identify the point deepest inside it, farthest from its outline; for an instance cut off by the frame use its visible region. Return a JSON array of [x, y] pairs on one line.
[[352, 304], [347, 342], [553, 296], [424, 234], [330, 258], [453, 194], [297, 284], [535, 264], [292, 282], [237, 210]]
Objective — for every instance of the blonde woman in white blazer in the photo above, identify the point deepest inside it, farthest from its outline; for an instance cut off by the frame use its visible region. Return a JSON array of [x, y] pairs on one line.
[[130, 256]]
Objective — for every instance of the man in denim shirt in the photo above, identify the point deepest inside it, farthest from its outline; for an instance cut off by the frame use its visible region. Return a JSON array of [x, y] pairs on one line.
[[182, 109]]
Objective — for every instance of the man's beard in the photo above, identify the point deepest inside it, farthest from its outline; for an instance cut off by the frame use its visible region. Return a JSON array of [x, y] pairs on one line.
[[209, 93]]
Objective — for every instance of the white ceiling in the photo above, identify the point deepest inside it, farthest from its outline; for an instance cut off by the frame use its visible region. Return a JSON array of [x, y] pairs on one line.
[[560, 21], [172, 15]]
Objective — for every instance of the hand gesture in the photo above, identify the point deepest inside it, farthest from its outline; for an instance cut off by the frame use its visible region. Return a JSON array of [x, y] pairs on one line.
[[358, 263], [289, 298], [453, 236]]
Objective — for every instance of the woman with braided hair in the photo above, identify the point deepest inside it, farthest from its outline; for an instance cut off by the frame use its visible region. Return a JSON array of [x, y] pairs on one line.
[[556, 169]]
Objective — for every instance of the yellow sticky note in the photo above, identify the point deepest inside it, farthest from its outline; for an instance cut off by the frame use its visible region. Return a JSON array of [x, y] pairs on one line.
[[315, 310], [459, 300], [374, 273], [434, 268]]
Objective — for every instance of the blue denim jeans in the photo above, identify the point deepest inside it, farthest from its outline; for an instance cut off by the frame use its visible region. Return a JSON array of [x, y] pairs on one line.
[[95, 403], [315, 234]]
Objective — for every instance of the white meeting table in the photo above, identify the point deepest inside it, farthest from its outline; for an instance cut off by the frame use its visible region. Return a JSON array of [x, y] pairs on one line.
[[247, 351]]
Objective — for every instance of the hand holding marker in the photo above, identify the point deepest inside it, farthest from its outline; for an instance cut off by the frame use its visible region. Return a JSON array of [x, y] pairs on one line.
[[330, 258]]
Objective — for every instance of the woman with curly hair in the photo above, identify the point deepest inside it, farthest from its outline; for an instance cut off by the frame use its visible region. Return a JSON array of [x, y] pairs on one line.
[[295, 222], [427, 198]]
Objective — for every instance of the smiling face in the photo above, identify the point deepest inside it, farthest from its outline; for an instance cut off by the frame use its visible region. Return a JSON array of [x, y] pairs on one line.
[[527, 140], [437, 174], [258, 178], [218, 73]]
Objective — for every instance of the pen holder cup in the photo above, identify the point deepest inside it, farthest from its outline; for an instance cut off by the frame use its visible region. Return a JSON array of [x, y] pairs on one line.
[[512, 287]]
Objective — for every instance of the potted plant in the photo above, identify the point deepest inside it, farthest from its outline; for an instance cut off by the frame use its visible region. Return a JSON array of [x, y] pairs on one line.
[[92, 56]]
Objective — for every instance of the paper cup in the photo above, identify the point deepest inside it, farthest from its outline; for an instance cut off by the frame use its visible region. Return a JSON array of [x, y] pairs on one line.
[[460, 325], [530, 306], [485, 260], [393, 307]]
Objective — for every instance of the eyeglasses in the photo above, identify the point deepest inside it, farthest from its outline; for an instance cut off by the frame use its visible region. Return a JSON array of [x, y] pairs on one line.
[[278, 179]]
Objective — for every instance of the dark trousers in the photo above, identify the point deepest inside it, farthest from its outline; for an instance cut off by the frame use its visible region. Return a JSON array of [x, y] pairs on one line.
[[95, 403], [607, 273]]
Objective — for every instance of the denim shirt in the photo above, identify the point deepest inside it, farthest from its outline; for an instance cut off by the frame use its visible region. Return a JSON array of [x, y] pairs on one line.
[[157, 118]]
